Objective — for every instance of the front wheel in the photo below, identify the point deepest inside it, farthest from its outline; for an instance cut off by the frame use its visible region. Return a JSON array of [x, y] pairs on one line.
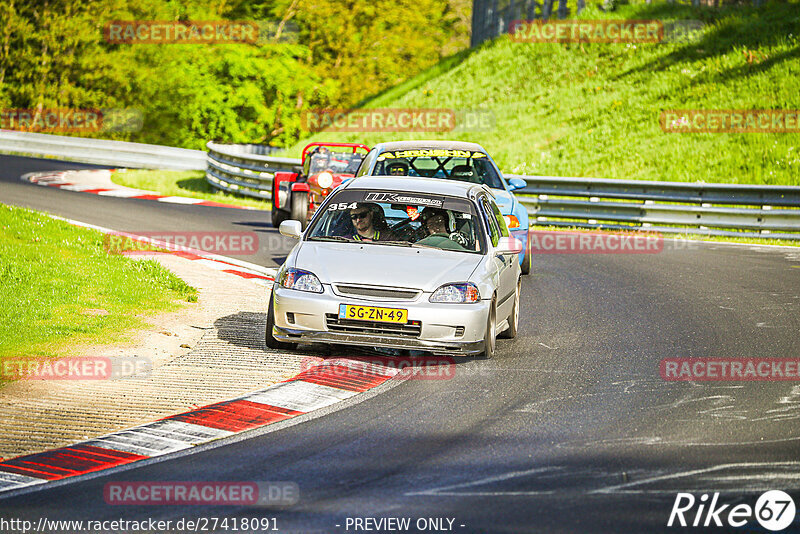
[[490, 338], [527, 259], [513, 319], [300, 208], [278, 216], [270, 341]]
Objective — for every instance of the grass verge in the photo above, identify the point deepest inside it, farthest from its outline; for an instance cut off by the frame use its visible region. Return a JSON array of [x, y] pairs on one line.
[[55, 276], [182, 183]]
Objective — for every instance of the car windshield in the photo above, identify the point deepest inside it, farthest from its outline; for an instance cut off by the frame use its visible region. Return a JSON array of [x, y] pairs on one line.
[[335, 162], [405, 219], [462, 165]]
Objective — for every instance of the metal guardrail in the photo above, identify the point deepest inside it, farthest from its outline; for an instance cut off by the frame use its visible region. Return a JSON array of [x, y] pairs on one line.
[[667, 207], [245, 169], [101, 151]]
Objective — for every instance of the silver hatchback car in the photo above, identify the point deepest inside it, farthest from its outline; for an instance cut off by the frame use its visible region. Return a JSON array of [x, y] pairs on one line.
[[402, 263]]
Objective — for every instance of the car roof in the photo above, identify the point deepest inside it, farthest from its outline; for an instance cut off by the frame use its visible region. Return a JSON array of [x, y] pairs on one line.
[[416, 145], [413, 184]]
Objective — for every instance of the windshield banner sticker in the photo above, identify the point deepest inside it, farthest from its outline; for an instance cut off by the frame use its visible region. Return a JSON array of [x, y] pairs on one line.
[[431, 153], [397, 198]]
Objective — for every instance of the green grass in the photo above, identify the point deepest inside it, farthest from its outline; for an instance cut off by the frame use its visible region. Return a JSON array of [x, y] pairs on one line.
[[593, 109], [182, 183], [51, 273]]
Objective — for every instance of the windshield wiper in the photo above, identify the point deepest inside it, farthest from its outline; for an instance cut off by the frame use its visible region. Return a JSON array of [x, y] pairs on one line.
[[330, 238], [398, 243], [419, 245]]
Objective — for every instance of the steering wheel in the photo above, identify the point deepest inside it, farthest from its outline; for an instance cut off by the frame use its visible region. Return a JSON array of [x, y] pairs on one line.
[[459, 238], [404, 232]]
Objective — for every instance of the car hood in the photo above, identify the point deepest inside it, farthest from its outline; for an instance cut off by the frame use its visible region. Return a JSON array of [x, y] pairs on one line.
[[504, 200], [385, 265]]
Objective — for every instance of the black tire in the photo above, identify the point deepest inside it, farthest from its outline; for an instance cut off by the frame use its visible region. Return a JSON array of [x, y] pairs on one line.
[[278, 216], [270, 341], [300, 208], [527, 259], [513, 318], [490, 337]]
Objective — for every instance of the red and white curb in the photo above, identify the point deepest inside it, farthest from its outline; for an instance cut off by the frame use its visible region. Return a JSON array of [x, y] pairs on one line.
[[320, 386], [70, 181], [261, 275]]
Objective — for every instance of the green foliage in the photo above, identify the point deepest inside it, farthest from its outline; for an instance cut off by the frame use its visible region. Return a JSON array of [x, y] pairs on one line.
[[228, 93], [53, 55], [372, 45]]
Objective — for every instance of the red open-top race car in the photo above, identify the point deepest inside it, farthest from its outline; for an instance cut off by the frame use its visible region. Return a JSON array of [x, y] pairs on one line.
[[324, 167]]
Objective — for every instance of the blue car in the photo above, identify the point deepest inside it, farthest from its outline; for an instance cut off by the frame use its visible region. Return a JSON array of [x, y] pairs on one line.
[[454, 160]]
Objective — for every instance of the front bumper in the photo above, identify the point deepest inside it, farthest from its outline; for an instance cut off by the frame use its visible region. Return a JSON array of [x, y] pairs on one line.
[[451, 329]]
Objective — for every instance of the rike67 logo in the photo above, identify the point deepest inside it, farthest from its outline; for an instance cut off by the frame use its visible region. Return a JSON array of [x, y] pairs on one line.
[[774, 510]]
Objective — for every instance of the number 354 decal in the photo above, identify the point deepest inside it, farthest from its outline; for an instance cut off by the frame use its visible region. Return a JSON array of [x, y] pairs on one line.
[[342, 206]]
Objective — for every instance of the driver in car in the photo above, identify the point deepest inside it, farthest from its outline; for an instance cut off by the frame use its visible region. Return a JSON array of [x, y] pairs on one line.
[[397, 168], [320, 159], [369, 223]]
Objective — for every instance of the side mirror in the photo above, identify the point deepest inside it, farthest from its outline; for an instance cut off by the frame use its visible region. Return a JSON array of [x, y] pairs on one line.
[[507, 245], [517, 183], [293, 229]]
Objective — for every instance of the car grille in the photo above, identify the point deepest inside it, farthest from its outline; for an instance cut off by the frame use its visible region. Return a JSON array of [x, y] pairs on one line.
[[335, 324], [388, 293]]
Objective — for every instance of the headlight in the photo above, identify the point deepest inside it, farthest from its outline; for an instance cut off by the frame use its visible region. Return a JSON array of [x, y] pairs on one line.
[[511, 221], [325, 180], [300, 280], [450, 293]]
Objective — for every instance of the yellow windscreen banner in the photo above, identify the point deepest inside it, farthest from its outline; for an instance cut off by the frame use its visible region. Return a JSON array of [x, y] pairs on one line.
[[431, 153]]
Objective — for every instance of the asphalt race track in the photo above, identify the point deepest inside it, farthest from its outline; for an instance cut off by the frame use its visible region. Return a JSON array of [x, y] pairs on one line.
[[570, 428]]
